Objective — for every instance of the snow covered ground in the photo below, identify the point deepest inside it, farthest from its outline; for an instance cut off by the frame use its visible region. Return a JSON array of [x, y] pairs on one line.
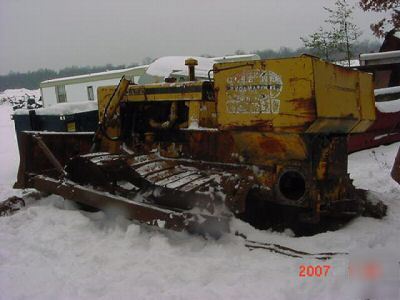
[[50, 250], [9, 158]]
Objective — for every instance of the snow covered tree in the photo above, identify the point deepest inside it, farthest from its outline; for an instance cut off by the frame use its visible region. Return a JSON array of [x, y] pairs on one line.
[[341, 36], [346, 32], [382, 26], [323, 42]]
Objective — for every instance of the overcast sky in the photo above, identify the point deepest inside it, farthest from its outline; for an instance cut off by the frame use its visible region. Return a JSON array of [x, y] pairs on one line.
[[58, 33]]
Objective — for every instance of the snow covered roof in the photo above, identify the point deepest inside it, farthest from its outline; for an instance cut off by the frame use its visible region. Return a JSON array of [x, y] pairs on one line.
[[175, 65], [345, 63], [388, 106], [380, 55], [164, 66], [386, 91], [159, 69], [135, 71], [388, 57], [231, 58]]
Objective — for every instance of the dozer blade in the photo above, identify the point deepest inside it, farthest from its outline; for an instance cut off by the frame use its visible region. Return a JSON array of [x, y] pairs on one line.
[[133, 209], [172, 194], [176, 184]]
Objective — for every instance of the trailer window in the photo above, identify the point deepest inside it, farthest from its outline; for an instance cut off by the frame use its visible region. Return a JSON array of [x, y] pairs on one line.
[[61, 94], [90, 93]]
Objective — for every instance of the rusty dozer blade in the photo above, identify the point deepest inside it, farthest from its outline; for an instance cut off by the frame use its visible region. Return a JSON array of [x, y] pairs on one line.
[[133, 209], [172, 194], [173, 183]]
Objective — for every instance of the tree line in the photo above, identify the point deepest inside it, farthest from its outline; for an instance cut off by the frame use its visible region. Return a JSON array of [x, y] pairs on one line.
[[365, 46], [32, 79], [337, 42]]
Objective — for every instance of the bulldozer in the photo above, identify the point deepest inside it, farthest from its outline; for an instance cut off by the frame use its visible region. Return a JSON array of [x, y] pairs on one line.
[[191, 155]]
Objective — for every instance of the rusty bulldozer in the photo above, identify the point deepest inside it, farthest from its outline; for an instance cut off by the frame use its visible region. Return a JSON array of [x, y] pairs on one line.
[[190, 155]]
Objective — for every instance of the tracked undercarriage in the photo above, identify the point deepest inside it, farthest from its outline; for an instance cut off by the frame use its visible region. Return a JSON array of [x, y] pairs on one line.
[[190, 155]]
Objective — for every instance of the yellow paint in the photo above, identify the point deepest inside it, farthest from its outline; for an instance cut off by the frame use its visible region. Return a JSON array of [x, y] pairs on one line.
[[71, 127], [194, 113], [165, 92], [297, 82], [343, 99], [293, 95], [112, 122], [366, 105]]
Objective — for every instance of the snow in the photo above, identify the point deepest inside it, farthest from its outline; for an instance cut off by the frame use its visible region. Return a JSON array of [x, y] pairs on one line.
[[388, 106], [19, 93], [62, 108], [380, 55], [164, 66], [345, 63], [9, 158], [239, 57], [175, 65], [51, 250], [387, 91]]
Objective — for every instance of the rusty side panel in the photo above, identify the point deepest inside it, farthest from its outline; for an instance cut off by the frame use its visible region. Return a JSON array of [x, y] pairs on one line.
[[265, 95], [321, 159], [344, 99], [301, 94], [240, 147]]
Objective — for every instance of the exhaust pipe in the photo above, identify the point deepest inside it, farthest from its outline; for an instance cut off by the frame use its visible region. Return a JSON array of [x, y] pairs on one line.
[[191, 63]]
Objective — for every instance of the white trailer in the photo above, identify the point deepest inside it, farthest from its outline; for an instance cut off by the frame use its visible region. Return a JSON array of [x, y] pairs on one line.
[[84, 87]]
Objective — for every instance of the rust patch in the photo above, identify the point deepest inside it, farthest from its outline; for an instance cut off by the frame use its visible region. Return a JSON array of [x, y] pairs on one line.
[[271, 145], [307, 105], [256, 125]]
